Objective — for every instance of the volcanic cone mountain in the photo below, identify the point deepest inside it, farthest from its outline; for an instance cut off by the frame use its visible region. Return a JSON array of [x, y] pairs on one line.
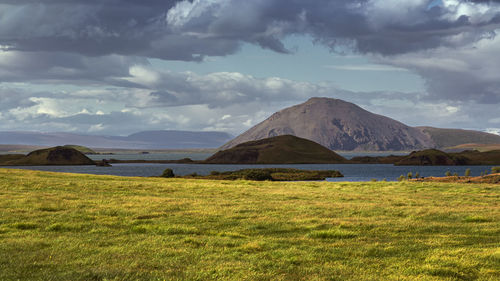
[[338, 125]]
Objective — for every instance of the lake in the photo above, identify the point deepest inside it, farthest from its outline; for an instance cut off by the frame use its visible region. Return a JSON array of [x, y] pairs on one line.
[[203, 156], [351, 172]]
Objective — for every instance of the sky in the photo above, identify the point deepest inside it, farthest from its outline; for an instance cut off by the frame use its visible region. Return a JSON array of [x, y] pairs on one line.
[[116, 67]]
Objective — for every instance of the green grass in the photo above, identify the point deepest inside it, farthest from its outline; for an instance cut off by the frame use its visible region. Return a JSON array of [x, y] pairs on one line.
[[83, 227]]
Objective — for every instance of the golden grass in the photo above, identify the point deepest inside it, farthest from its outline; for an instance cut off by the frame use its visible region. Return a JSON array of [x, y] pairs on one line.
[[56, 226]]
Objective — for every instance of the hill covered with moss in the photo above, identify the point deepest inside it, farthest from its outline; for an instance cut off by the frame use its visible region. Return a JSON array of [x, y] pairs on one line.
[[285, 149], [58, 155], [434, 157]]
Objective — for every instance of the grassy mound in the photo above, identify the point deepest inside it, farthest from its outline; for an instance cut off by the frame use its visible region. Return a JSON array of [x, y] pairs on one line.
[[277, 150], [59, 155], [56, 226], [491, 157], [433, 157]]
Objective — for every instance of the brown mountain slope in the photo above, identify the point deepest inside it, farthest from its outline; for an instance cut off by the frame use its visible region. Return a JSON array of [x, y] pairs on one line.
[[285, 149], [338, 125], [445, 138]]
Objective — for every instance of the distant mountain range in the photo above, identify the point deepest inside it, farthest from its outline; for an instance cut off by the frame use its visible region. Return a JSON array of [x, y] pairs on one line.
[[333, 123], [141, 140], [340, 125]]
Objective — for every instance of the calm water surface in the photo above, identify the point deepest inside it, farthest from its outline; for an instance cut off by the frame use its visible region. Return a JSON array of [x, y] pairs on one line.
[[202, 156], [351, 172]]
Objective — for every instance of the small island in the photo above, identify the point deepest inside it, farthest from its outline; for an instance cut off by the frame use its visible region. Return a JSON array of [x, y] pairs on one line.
[[264, 174]]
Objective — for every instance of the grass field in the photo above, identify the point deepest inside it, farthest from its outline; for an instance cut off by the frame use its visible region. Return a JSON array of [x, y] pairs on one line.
[[83, 227]]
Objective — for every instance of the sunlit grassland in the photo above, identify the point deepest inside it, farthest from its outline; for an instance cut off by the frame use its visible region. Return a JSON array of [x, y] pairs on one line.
[[82, 227]]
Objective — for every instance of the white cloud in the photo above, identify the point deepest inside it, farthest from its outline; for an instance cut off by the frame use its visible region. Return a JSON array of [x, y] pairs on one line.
[[495, 131], [96, 128], [366, 67]]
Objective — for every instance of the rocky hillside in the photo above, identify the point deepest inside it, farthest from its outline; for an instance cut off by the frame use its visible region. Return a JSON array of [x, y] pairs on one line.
[[338, 125], [277, 150]]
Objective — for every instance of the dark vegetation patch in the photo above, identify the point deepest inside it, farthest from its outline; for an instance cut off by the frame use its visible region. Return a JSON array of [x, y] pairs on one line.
[[271, 174]]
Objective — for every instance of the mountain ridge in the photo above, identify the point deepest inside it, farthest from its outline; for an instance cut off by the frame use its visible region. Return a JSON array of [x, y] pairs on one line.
[[159, 139], [341, 125]]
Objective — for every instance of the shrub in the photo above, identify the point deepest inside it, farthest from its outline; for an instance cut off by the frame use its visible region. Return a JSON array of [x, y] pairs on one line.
[[417, 175], [258, 175], [455, 174], [410, 175], [448, 174], [495, 170], [401, 178], [168, 173], [373, 180], [214, 173], [467, 173]]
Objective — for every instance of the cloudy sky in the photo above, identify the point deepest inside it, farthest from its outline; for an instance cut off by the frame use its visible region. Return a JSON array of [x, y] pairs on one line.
[[122, 66]]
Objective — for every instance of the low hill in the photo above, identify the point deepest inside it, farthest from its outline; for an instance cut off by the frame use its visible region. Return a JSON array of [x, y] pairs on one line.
[[285, 149], [51, 156], [491, 157], [432, 157], [447, 138]]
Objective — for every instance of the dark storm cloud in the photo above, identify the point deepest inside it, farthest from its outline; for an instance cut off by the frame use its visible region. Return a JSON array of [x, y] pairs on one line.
[[453, 46], [97, 28], [182, 30], [51, 67]]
